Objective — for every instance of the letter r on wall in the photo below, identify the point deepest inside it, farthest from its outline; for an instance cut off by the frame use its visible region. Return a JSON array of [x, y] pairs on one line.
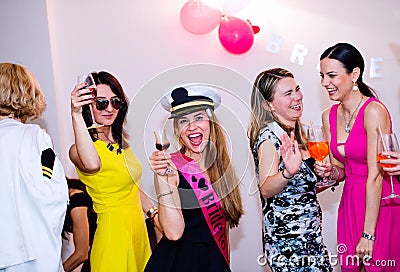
[[299, 52]]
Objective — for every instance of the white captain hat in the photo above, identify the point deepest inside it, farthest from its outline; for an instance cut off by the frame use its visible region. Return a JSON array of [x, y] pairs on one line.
[[188, 98]]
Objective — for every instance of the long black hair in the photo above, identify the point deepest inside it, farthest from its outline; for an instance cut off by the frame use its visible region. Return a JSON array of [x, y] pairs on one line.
[[117, 128]]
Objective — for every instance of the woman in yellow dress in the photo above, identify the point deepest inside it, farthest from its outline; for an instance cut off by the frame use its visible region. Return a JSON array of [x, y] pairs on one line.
[[111, 173]]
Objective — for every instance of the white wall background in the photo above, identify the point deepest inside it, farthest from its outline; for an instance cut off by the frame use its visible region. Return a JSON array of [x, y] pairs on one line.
[[146, 47]]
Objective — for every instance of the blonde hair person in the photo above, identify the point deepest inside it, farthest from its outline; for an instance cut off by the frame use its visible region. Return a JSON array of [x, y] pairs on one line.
[[20, 94], [200, 200], [260, 116], [34, 193], [291, 212]]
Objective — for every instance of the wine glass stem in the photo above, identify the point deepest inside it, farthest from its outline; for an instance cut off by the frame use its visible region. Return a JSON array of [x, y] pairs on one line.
[[92, 115], [324, 179], [391, 184]]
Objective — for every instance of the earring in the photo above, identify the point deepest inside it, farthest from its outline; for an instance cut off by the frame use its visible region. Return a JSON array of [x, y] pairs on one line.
[[355, 87]]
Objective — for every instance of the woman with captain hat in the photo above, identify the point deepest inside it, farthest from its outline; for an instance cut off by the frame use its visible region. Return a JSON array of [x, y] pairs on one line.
[[200, 201]]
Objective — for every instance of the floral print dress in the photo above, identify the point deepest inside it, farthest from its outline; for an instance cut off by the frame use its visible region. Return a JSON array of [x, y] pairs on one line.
[[292, 219]]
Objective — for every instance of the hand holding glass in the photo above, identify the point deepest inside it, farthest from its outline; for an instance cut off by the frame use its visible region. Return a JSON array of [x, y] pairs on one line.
[[162, 143], [319, 149], [387, 142], [91, 85]]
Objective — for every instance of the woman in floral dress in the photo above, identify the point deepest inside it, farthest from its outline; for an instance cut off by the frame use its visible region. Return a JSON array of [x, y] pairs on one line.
[[291, 213]]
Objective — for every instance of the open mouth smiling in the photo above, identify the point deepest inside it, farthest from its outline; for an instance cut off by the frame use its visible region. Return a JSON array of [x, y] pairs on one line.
[[195, 139]]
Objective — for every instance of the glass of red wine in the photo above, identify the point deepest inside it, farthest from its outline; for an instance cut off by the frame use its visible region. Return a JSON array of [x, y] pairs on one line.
[[91, 86], [162, 144]]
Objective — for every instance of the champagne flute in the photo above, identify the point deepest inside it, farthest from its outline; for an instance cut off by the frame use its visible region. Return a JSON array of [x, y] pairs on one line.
[[91, 85], [162, 143], [319, 148], [387, 142]]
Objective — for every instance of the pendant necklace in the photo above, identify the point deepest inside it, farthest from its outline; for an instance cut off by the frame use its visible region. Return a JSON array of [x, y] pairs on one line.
[[111, 148], [347, 124], [110, 145]]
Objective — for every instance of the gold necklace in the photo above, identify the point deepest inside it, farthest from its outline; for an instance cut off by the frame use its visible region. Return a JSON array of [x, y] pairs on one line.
[[347, 124]]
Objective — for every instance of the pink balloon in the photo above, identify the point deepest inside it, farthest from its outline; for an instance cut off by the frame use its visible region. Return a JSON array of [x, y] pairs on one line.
[[236, 35], [199, 18]]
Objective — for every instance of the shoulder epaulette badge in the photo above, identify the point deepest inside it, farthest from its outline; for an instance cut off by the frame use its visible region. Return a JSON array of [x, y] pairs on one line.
[[48, 158]]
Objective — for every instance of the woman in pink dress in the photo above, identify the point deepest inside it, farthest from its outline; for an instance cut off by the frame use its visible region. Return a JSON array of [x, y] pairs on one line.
[[368, 227]]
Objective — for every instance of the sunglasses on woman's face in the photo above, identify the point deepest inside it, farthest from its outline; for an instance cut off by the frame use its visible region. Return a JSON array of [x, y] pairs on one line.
[[102, 104]]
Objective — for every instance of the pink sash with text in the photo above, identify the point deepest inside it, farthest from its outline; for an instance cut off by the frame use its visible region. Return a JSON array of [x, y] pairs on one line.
[[208, 200]]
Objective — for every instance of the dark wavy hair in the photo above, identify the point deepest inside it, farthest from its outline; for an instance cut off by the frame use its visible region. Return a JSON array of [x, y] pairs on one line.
[[351, 58], [117, 128]]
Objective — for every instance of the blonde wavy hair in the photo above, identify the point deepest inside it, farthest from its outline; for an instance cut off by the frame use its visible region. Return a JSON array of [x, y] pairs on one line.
[[20, 94], [220, 171], [264, 90]]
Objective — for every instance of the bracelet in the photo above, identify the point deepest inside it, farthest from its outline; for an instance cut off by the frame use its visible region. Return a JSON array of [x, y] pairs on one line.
[[150, 213], [368, 236], [164, 194], [334, 171], [283, 175], [154, 215]]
